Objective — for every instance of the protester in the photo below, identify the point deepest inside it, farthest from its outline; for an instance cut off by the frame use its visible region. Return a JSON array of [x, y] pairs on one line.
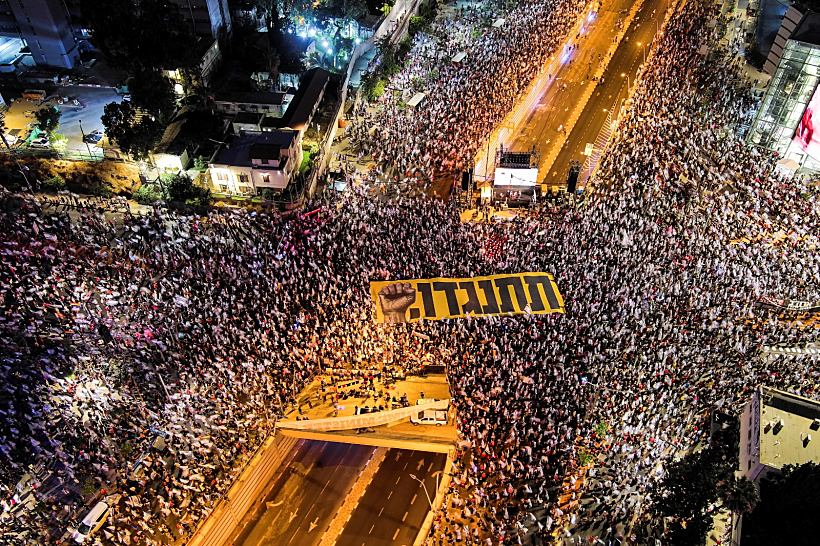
[[217, 321]]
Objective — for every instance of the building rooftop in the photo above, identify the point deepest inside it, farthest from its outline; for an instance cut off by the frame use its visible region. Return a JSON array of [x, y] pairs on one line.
[[252, 118], [251, 97], [247, 146], [808, 30], [304, 102], [786, 422]]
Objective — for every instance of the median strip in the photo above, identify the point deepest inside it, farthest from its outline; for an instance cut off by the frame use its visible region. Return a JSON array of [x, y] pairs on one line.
[[353, 497]]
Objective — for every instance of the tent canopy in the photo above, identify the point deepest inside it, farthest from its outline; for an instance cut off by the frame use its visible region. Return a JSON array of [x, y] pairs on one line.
[[416, 100]]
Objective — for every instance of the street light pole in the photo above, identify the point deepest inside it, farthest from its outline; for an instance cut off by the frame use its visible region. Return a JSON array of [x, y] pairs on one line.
[[426, 494], [83, 133], [625, 75], [643, 47]]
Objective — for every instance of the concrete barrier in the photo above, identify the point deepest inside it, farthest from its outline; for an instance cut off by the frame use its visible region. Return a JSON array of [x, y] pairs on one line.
[[221, 524]]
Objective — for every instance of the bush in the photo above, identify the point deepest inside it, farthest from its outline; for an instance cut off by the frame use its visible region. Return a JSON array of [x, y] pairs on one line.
[[126, 449], [99, 187], [54, 183], [584, 457], [88, 487], [373, 86], [267, 193], [416, 25], [180, 188], [59, 143], [602, 428], [147, 195]]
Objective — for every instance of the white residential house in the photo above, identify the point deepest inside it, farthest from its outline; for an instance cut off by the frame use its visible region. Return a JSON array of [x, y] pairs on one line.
[[260, 102], [254, 160]]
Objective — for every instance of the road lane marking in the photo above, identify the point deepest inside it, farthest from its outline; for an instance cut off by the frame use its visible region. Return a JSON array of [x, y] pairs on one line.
[[405, 516], [397, 479], [405, 465], [390, 495], [380, 512], [394, 535], [429, 468], [414, 499], [371, 529]]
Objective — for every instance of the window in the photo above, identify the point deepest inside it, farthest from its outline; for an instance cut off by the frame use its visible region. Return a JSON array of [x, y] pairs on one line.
[[266, 178], [243, 178], [221, 175]]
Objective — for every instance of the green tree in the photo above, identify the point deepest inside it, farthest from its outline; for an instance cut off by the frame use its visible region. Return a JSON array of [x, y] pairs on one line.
[[147, 195], [180, 188], [142, 36], [740, 495], [135, 135], [54, 183], [153, 92], [48, 119], [788, 508]]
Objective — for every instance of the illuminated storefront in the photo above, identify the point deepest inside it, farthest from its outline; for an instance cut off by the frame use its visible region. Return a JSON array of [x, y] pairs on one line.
[[790, 90]]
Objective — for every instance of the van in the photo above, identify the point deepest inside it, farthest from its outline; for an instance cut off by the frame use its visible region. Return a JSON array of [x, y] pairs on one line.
[[429, 417], [92, 522]]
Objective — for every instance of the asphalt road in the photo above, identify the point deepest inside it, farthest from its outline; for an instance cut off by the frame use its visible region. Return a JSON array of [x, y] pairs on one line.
[[95, 99], [558, 101], [394, 505], [305, 497]]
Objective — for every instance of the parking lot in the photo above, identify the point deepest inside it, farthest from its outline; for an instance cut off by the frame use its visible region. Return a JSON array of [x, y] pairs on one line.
[[92, 102]]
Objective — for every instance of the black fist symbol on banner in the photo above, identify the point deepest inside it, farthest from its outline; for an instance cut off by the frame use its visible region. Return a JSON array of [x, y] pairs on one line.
[[395, 299]]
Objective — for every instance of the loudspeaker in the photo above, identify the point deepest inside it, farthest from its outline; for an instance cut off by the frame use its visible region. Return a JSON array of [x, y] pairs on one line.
[[572, 181], [465, 179]]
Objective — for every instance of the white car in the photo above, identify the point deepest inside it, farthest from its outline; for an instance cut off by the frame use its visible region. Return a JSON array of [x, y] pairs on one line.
[[429, 417], [92, 522], [41, 142]]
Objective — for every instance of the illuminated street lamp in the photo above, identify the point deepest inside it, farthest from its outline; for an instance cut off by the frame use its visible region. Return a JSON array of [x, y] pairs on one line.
[[426, 494], [643, 47], [624, 75], [83, 133]]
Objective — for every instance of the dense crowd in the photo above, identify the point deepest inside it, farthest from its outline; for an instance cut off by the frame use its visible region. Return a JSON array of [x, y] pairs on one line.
[[464, 100], [217, 321]]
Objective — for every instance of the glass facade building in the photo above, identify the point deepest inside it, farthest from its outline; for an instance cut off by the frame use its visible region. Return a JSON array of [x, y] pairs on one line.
[[790, 90]]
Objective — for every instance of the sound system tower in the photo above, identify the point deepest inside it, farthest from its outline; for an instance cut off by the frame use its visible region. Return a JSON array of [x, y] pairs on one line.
[[466, 177], [572, 177]]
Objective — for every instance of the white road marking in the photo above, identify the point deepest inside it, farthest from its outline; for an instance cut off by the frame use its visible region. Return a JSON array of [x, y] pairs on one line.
[[429, 468], [405, 516], [394, 535], [371, 529], [380, 512], [397, 479], [390, 495], [414, 499]]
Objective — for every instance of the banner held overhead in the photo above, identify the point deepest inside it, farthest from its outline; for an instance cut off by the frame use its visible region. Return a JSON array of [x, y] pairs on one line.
[[441, 298]]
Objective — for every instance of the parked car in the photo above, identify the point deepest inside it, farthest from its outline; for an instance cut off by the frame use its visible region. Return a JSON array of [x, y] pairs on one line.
[[40, 142], [93, 138], [429, 417]]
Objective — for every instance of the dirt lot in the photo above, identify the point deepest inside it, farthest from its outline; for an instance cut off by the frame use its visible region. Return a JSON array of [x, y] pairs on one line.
[[123, 177]]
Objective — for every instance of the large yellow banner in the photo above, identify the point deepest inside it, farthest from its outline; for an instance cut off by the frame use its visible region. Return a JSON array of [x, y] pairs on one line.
[[436, 299]]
